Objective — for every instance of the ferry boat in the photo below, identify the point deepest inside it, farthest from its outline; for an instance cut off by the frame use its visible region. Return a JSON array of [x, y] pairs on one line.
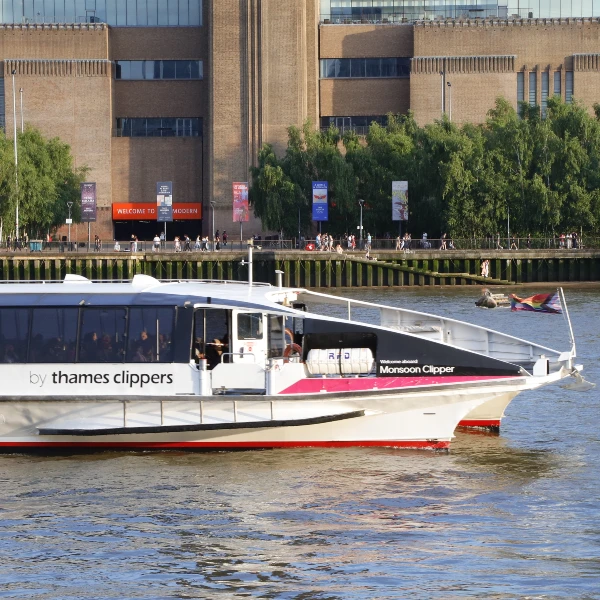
[[212, 365]]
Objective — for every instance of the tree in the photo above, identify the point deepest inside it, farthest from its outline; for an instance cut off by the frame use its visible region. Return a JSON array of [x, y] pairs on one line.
[[47, 180], [541, 170]]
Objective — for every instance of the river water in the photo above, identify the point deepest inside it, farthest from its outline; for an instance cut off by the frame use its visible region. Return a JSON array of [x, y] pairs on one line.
[[509, 516]]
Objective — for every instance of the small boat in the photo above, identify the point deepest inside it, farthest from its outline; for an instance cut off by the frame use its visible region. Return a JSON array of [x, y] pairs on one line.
[[489, 300], [211, 365]]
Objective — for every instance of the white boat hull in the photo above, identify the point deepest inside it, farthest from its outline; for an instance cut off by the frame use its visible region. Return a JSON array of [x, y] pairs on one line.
[[418, 418], [488, 415]]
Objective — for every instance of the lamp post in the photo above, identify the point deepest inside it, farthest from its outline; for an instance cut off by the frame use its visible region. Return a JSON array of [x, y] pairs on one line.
[[360, 243], [69, 221], [442, 97], [22, 121], [14, 72], [450, 101], [212, 236]]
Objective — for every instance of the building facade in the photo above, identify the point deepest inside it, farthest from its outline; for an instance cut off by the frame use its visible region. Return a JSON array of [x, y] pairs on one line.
[[187, 91]]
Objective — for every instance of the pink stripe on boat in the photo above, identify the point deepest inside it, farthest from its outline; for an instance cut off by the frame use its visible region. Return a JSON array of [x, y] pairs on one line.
[[367, 384]]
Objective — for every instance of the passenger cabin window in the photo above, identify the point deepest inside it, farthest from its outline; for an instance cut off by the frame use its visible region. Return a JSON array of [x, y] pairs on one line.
[[14, 334], [250, 326], [53, 335], [211, 336], [102, 335], [150, 335]]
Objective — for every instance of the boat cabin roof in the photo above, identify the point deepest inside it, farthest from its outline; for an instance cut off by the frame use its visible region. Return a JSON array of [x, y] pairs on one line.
[[145, 290]]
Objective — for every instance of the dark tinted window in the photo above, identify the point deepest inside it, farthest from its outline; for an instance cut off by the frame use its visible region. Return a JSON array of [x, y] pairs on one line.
[[168, 70], [211, 335], [14, 332], [102, 336], [150, 334], [53, 335]]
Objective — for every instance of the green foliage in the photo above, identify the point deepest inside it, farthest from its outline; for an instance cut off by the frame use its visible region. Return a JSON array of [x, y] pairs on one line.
[[543, 172], [47, 180]]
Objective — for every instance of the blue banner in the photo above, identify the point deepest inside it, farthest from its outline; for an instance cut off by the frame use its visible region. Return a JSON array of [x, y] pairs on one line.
[[164, 201], [320, 211]]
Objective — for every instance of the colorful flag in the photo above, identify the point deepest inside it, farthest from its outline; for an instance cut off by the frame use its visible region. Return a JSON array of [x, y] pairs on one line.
[[549, 303]]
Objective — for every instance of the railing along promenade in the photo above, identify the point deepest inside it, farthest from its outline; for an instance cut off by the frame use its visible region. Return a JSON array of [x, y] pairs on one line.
[[386, 267]]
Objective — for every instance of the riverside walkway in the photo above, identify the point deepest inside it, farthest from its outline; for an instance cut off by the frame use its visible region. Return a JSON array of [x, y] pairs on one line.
[[314, 269]]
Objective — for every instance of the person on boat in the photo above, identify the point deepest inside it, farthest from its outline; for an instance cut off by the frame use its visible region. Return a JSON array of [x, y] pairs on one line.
[[214, 352], [89, 347], [164, 347], [198, 349], [147, 345], [138, 356], [105, 350], [10, 356]]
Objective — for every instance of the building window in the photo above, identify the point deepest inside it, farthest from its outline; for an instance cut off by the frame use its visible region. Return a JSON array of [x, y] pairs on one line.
[[557, 83], [157, 127], [135, 70], [532, 88], [569, 87], [337, 68], [359, 124], [545, 89], [520, 87], [397, 11], [118, 13]]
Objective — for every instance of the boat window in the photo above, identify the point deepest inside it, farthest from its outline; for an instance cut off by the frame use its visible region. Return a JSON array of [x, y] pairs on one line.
[[211, 336], [250, 326], [277, 341], [150, 334], [53, 335], [14, 331], [102, 335]]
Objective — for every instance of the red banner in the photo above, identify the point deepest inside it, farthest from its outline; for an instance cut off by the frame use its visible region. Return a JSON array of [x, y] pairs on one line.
[[146, 211], [241, 214]]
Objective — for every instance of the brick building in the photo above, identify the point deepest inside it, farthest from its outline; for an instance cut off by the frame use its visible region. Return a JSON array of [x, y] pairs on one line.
[[188, 90]]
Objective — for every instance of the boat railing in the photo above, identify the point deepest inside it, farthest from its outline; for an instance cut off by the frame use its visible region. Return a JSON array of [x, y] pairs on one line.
[[458, 334], [201, 409], [217, 281], [129, 281]]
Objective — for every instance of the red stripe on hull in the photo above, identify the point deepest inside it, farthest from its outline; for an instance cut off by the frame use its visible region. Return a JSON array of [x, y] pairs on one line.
[[495, 423], [429, 444]]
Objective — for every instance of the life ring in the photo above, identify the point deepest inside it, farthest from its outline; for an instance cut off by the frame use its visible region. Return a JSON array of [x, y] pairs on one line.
[[289, 336], [292, 351]]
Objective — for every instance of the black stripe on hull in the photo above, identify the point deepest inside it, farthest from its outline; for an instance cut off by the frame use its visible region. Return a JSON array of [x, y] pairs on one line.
[[200, 427]]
